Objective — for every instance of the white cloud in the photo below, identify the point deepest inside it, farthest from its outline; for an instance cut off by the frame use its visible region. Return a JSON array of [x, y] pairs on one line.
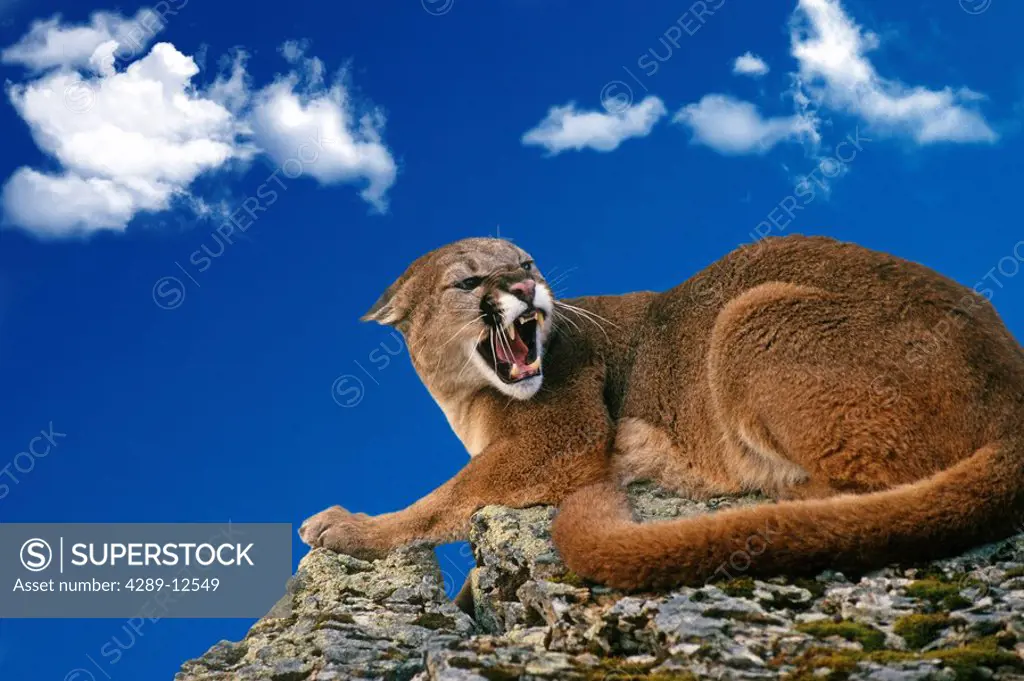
[[293, 50], [127, 142], [830, 49], [132, 137], [834, 74], [50, 43], [565, 127], [750, 64], [347, 148], [732, 126], [231, 89], [59, 205]]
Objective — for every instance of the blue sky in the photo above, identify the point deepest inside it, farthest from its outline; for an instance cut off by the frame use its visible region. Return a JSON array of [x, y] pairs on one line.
[[196, 340]]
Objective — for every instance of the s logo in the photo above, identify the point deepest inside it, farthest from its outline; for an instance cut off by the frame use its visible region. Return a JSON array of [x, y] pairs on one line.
[[36, 555]]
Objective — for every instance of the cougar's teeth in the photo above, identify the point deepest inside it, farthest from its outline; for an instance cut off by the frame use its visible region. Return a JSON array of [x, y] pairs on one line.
[[511, 331], [540, 317], [513, 371], [535, 364]]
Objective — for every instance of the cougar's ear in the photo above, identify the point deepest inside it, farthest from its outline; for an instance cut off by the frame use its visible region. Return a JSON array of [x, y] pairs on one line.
[[395, 305], [389, 309]]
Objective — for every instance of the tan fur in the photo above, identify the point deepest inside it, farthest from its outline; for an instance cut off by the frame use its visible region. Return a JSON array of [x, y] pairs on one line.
[[473, 431], [880, 402]]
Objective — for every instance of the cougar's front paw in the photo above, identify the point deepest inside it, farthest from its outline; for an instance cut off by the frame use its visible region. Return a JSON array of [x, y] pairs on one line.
[[338, 530]]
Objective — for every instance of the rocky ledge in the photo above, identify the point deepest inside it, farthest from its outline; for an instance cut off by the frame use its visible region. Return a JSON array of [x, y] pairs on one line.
[[343, 618]]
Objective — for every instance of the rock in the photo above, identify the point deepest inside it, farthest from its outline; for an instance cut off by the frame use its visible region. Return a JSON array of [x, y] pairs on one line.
[[342, 618]]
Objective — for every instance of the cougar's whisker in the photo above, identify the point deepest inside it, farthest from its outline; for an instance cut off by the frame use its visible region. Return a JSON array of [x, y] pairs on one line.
[[561, 277], [469, 356], [471, 321], [589, 316], [441, 355], [504, 341], [587, 313], [562, 317], [494, 352], [585, 317]]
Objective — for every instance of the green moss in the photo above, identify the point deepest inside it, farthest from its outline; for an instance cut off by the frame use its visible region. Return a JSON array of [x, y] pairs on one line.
[[657, 676], [499, 672], [620, 670], [604, 675], [326, 618], [434, 621], [741, 587], [1015, 572], [869, 637], [816, 588], [569, 577], [968, 662], [795, 600], [841, 664], [939, 593], [920, 630]]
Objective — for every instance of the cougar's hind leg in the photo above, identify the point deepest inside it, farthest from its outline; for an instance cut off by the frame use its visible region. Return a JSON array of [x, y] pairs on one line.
[[647, 452], [815, 402]]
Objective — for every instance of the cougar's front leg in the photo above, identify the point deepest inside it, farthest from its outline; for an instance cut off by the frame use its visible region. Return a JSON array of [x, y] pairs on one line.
[[567, 450], [496, 476]]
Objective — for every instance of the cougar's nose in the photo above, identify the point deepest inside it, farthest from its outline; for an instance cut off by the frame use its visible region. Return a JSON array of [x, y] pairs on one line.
[[523, 290]]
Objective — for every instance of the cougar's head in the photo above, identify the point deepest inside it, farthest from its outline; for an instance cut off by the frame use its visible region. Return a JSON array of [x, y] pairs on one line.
[[474, 313]]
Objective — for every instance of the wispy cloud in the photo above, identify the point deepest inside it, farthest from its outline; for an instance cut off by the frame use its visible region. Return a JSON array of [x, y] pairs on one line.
[[834, 71], [749, 64], [298, 106], [51, 43], [566, 127], [732, 126], [834, 75]]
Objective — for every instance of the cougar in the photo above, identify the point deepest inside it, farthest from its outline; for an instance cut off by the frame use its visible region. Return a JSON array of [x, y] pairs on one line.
[[878, 403]]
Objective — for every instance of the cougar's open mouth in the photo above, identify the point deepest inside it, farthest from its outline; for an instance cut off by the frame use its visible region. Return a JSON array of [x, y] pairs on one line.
[[513, 350]]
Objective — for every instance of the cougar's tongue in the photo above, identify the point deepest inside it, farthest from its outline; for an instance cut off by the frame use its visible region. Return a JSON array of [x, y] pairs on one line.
[[519, 351]]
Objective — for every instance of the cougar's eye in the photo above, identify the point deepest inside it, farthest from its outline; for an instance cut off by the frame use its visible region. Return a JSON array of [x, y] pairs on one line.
[[528, 265], [469, 284]]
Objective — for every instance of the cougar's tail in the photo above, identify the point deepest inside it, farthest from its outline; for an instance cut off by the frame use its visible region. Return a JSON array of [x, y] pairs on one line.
[[980, 499]]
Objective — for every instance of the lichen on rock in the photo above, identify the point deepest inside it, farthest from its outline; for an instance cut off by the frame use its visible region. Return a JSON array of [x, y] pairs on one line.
[[342, 618]]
